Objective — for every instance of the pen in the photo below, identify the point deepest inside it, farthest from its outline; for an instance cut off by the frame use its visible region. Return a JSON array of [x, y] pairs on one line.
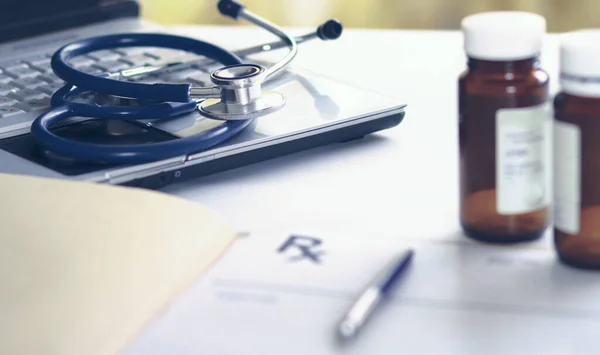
[[356, 317]]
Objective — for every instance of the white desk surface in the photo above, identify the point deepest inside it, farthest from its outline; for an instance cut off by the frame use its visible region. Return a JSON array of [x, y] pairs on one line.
[[400, 182], [367, 199]]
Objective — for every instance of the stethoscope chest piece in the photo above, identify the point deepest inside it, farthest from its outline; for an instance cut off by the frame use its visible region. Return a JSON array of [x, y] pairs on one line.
[[241, 96]]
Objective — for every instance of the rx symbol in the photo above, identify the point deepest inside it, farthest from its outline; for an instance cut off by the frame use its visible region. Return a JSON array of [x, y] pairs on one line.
[[303, 247]]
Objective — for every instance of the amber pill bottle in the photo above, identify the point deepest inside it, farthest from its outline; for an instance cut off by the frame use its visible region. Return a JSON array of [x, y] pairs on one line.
[[577, 151], [504, 129]]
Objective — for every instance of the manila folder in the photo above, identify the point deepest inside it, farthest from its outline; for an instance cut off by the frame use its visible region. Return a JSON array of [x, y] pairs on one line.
[[84, 267]]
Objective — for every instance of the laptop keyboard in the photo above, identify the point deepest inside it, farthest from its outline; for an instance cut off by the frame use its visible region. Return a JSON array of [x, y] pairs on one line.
[[27, 85]]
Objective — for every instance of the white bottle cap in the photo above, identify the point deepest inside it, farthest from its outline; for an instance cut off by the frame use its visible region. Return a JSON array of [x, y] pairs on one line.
[[580, 62], [503, 35]]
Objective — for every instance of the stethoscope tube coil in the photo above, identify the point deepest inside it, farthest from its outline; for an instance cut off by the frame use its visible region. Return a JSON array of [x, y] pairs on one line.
[[151, 92]]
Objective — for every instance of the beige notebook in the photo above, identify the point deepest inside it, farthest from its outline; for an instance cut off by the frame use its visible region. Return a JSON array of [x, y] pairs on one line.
[[85, 267]]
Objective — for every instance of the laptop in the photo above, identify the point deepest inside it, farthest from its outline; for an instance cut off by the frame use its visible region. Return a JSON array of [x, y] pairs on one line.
[[319, 110]]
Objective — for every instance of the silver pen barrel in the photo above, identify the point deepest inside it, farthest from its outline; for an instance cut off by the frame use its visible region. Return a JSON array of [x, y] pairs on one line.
[[380, 287], [359, 312]]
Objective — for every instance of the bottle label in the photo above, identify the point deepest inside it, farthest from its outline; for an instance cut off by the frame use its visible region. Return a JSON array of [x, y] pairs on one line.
[[567, 172], [523, 159]]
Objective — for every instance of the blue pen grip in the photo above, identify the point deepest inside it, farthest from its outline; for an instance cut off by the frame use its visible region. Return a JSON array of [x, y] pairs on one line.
[[392, 275]]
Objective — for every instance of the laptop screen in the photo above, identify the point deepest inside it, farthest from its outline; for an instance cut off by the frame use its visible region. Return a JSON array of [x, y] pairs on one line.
[[31, 17], [15, 11]]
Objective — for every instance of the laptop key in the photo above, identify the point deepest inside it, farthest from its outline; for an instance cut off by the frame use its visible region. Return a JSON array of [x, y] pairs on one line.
[[7, 101], [37, 59], [4, 79], [29, 83], [81, 61], [34, 105], [104, 55], [131, 51], [10, 111], [18, 73], [164, 54], [138, 60], [6, 89], [50, 78], [42, 67], [12, 64], [111, 66], [50, 89], [90, 70], [27, 94], [206, 65]]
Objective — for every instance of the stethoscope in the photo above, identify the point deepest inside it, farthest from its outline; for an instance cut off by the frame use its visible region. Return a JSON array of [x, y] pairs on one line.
[[236, 97]]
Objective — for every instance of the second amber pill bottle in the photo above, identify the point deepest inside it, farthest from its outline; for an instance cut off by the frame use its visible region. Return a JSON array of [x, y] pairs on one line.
[[504, 129], [577, 151]]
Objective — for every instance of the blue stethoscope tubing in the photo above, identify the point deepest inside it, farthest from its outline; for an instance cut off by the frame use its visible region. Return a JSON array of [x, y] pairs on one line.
[[173, 101], [153, 92]]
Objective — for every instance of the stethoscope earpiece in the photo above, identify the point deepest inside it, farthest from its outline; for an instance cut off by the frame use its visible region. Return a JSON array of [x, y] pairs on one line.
[[332, 29]]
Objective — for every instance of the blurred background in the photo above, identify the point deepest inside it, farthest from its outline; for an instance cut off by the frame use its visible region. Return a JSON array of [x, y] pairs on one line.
[[562, 15]]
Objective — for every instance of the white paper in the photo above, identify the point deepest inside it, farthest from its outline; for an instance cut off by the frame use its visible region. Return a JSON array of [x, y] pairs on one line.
[[458, 298]]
